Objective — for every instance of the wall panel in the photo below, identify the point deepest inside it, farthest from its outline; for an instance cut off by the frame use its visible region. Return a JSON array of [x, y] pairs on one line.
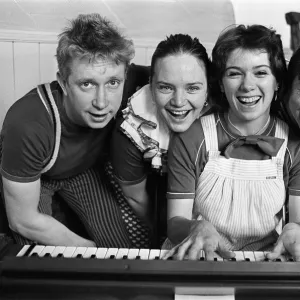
[[6, 78], [48, 65], [26, 64]]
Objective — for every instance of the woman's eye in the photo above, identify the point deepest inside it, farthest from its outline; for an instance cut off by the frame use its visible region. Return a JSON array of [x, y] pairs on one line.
[[234, 74], [261, 73], [165, 88], [192, 89]]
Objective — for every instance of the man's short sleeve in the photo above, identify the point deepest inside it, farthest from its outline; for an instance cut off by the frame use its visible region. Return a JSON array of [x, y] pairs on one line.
[[127, 160], [26, 140]]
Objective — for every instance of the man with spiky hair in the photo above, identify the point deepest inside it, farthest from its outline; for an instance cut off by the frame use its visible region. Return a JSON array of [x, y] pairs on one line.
[[54, 141]]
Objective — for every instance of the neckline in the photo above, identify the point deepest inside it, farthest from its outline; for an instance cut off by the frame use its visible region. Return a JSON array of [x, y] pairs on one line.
[[235, 135]]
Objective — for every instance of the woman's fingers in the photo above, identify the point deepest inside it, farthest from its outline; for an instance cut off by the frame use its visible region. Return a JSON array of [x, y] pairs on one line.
[[182, 249]]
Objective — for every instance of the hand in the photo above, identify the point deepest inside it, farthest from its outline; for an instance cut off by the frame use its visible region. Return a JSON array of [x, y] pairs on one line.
[[203, 236], [288, 241]]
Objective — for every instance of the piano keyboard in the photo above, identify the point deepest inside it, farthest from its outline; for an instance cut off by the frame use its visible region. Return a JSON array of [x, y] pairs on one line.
[[131, 254], [72, 271]]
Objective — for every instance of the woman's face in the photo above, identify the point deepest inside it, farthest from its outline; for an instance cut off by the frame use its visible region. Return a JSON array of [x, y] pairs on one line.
[[249, 84], [179, 88], [294, 101]]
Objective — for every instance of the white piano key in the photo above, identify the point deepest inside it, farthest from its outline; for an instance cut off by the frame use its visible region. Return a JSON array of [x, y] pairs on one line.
[[69, 252], [122, 252], [239, 256], [133, 253], [58, 250], [153, 254], [217, 257], [259, 255], [110, 252], [23, 250], [100, 254], [163, 252], [79, 250], [47, 250], [144, 253], [249, 255], [37, 249], [89, 252]]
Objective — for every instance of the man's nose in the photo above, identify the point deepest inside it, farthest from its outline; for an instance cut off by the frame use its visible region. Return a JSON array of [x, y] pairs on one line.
[[100, 100]]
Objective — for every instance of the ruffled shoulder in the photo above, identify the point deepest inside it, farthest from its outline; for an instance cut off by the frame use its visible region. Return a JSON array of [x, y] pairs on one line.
[[146, 128]]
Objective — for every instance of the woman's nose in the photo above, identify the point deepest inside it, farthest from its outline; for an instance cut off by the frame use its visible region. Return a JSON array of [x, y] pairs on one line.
[[248, 83], [179, 99]]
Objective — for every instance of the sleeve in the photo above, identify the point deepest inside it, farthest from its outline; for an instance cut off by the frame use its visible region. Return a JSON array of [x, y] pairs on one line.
[[127, 160], [294, 169], [26, 147], [183, 164]]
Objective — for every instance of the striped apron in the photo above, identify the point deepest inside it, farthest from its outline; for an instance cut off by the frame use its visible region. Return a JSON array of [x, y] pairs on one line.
[[243, 199]]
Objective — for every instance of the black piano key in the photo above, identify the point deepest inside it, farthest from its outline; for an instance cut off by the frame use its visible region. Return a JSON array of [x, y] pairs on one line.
[[34, 254], [266, 259], [290, 259], [93, 256], [233, 259], [277, 259], [202, 258], [215, 259], [156, 257], [47, 255], [138, 257], [112, 257], [125, 256], [247, 259], [60, 255], [29, 249], [79, 255], [170, 258]]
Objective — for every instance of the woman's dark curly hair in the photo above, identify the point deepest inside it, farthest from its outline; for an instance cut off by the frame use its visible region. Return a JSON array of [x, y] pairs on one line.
[[252, 37]]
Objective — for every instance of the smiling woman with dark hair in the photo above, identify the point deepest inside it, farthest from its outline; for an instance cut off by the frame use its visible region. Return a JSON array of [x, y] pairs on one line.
[[230, 172], [172, 101]]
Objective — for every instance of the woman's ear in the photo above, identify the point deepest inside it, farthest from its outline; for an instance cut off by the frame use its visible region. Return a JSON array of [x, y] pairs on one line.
[[62, 83], [221, 86]]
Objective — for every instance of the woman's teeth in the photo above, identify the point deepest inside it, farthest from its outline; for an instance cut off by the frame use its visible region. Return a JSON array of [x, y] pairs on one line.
[[249, 100], [178, 113]]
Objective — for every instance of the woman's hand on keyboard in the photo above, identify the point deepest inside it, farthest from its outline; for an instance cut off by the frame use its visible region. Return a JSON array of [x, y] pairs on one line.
[[203, 241], [288, 241]]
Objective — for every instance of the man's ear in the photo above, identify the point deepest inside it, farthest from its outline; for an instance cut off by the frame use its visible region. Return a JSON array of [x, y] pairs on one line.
[[62, 82]]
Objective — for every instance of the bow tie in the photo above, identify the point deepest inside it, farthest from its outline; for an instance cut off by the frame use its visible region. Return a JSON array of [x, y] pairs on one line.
[[266, 144]]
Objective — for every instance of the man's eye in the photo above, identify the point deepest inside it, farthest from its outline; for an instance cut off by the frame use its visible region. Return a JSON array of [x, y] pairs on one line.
[[114, 83], [86, 84]]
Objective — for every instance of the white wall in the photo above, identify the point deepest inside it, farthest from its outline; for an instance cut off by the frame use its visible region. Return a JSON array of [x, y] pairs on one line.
[[268, 13]]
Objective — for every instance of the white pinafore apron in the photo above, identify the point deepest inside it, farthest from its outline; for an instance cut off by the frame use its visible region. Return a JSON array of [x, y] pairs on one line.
[[243, 199]]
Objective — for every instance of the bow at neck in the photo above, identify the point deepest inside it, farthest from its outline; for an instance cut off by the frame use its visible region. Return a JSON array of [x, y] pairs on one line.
[[267, 144]]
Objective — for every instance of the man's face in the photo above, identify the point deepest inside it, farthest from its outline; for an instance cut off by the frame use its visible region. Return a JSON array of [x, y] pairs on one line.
[[93, 91]]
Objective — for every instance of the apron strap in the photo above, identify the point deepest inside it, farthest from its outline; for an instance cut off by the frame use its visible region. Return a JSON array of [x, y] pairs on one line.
[[282, 132], [210, 132], [46, 97]]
